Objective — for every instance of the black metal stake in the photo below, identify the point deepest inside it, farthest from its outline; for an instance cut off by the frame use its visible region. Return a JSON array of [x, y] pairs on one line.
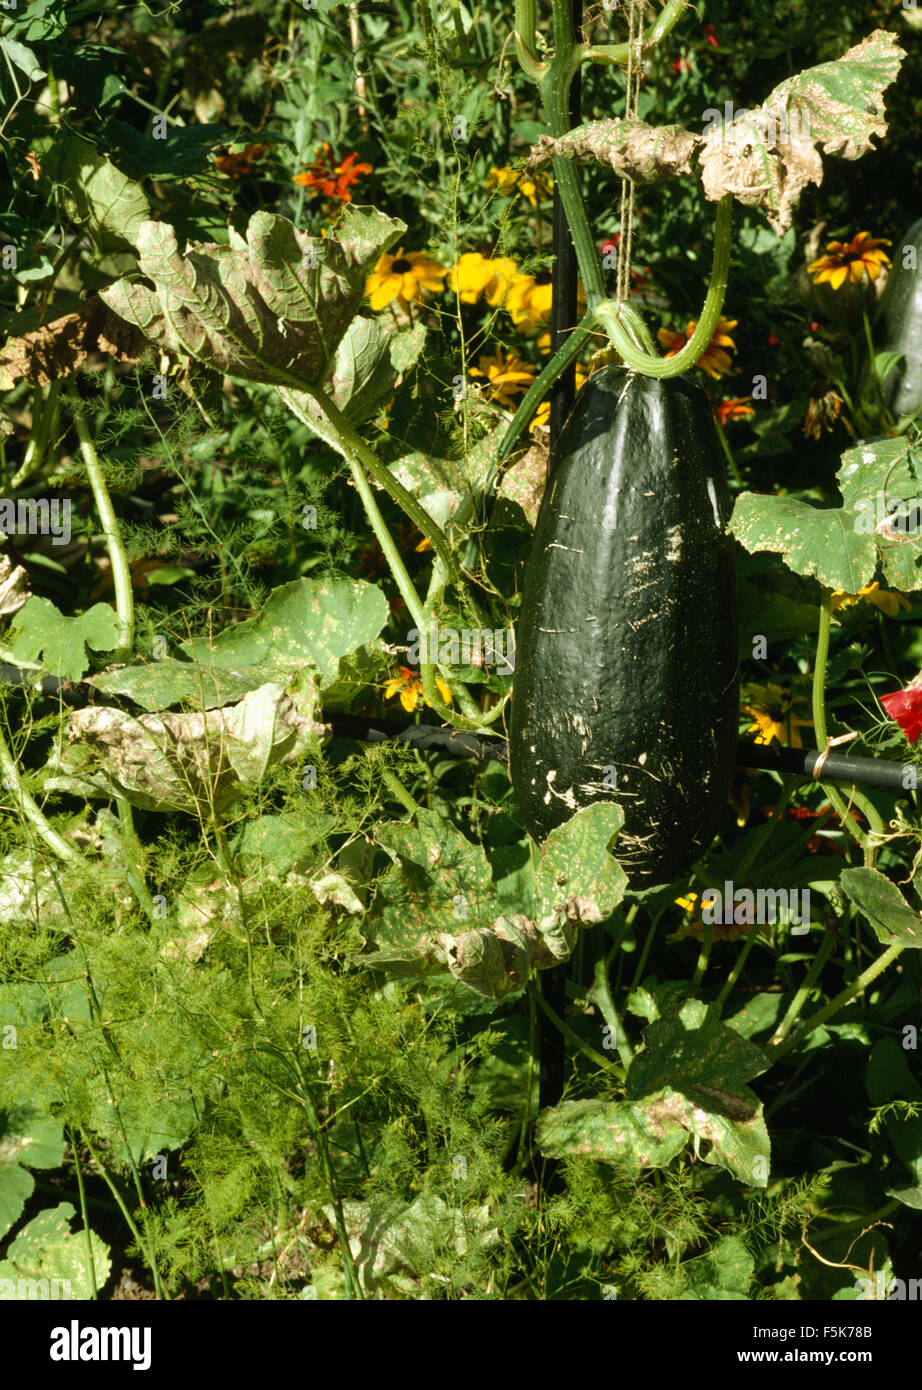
[[552, 983]]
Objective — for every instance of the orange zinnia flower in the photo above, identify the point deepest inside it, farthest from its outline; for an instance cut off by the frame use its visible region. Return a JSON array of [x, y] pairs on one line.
[[331, 179], [714, 360], [733, 409], [236, 164]]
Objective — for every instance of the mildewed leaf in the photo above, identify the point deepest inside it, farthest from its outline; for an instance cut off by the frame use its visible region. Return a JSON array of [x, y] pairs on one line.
[[184, 762], [46, 1250], [764, 157], [270, 308], [307, 622], [840, 103], [368, 364], [842, 546], [96, 195], [632, 148], [693, 1069], [436, 907]]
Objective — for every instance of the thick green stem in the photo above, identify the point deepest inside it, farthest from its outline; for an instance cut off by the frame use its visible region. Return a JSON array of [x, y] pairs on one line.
[[619, 53], [45, 409], [121, 571], [608, 313], [526, 19]]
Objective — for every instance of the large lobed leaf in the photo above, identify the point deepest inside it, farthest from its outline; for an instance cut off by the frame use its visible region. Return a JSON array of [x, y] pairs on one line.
[[688, 1082], [272, 307], [435, 911], [843, 546]]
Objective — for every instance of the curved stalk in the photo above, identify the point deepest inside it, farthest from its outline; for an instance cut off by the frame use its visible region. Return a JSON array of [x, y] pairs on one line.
[[525, 43], [121, 571], [619, 53], [608, 313], [43, 415]]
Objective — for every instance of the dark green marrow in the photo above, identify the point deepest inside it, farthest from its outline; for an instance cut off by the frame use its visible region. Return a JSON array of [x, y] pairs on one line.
[[626, 671], [898, 326]]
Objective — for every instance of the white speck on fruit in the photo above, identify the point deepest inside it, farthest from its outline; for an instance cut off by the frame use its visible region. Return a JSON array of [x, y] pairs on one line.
[[712, 493]]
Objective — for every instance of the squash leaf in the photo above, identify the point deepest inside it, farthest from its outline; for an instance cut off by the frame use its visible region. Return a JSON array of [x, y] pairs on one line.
[[764, 157], [272, 307], [435, 907], [688, 1082], [59, 644], [843, 546]]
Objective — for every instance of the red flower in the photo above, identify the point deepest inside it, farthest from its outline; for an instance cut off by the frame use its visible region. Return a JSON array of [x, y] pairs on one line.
[[772, 340], [236, 164], [710, 37], [905, 708], [331, 179], [681, 65]]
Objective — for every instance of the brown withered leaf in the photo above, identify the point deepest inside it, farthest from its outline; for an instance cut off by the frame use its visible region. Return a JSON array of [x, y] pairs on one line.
[[60, 347], [187, 761], [634, 149], [761, 164], [13, 591]]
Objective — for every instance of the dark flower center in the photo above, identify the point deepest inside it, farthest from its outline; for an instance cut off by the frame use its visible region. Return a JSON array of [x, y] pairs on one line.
[[401, 266]]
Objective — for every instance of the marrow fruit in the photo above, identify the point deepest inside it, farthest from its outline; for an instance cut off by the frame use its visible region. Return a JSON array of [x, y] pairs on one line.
[[626, 670], [898, 326]]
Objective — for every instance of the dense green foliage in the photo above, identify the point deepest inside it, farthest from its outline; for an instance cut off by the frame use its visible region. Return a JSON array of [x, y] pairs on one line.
[[273, 282]]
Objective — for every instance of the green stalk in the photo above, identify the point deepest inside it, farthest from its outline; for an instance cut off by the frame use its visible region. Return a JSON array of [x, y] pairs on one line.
[[619, 53], [84, 1213], [45, 409], [139, 1239], [839, 1002], [737, 970], [566, 1031], [31, 811], [341, 436], [608, 313], [704, 955], [526, 19], [800, 998], [121, 572], [731, 461], [600, 994]]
